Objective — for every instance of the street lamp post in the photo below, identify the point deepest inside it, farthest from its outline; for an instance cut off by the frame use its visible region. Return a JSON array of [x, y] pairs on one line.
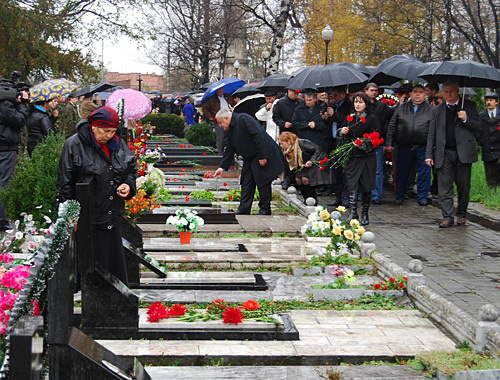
[[236, 65], [327, 35], [265, 55]]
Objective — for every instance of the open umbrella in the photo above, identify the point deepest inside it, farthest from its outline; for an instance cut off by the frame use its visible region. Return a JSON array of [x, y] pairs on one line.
[[99, 87], [230, 85], [323, 77], [135, 103], [465, 73], [250, 105], [357, 66], [397, 67], [247, 89], [274, 83], [50, 89]]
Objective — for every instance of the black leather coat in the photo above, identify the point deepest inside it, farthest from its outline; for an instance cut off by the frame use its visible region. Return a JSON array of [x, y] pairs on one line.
[[39, 126], [13, 117], [409, 129], [82, 156]]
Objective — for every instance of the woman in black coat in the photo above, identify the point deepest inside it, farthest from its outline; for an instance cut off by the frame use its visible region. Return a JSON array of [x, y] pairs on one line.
[[361, 167], [97, 151], [300, 154]]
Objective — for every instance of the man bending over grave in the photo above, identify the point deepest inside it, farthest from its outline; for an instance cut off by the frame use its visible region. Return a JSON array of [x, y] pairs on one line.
[[262, 158]]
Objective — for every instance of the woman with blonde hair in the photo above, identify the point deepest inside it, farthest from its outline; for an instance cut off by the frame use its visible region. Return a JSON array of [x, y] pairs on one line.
[[303, 157]]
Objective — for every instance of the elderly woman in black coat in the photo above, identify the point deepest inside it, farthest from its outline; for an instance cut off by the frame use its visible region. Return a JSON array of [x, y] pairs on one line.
[[361, 166], [300, 155], [97, 151]]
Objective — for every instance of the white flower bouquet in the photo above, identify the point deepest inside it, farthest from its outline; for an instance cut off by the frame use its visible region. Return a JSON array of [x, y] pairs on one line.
[[152, 156], [186, 220]]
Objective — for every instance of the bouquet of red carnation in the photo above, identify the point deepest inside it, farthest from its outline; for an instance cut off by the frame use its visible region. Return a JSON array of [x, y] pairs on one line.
[[367, 143]]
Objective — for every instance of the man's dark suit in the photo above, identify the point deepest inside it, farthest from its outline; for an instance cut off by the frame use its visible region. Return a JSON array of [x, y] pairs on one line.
[[453, 165], [490, 143], [248, 139]]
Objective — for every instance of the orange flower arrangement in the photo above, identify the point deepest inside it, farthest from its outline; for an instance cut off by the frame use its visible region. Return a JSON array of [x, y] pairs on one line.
[[137, 206]]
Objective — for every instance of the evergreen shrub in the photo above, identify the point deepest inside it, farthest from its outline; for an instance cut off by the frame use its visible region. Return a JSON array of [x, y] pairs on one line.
[[201, 134], [166, 124]]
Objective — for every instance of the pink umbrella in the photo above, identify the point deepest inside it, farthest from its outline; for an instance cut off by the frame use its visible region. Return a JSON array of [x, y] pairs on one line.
[[136, 104]]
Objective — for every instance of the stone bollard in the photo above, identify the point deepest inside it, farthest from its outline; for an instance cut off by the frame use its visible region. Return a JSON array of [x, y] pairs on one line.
[[415, 268], [367, 245], [292, 192], [310, 205], [488, 314]]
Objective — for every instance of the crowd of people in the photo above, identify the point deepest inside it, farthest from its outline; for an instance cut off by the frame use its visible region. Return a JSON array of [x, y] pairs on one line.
[[429, 136]]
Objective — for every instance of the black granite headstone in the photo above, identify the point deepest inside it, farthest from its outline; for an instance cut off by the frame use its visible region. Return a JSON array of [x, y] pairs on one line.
[[26, 349]]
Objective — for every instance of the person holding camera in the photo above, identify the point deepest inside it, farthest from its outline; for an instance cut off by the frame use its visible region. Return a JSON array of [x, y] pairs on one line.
[[13, 116]]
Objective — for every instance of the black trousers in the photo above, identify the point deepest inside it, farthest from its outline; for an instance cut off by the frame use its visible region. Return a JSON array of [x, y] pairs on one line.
[[248, 186], [492, 172], [108, 251]]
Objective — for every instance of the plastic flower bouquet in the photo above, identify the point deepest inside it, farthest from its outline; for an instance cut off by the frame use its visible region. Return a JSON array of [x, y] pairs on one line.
[[186, 220]]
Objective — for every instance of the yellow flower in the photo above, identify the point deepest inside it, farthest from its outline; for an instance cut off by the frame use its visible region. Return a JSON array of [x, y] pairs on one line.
[[341, 208], [356, 238], [354, 223], [324, 214], [337, 230], [348, 234], [360, 230]]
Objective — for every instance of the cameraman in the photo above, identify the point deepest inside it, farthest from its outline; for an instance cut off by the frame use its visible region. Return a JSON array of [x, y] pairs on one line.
[[13, 116]]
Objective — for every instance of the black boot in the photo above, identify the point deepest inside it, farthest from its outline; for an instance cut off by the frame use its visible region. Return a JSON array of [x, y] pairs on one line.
[[353, 205], [365, 203], [336, 203]]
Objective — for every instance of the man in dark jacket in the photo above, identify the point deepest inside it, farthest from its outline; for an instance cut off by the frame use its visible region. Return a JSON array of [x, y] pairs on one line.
[[262, 158], [13, 115], [40, 124], [490, 139], [308, 121], [212, 105], [408, 130], [282, 116], [451, 148], [337, 111], [383, 113]]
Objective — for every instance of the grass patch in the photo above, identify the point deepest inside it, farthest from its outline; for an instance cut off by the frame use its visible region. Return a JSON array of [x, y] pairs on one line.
[[480, 191], [449, 363]]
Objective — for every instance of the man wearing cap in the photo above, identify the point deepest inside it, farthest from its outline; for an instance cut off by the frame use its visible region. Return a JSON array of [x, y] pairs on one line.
[[70, 116], [408, 130], [265, 114], [489, 138], [40, 124], [96, 150], [451, 148]]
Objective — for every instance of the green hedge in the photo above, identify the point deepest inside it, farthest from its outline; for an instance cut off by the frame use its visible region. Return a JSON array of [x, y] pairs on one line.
[[201, 134], [166, 124], [33, 183]]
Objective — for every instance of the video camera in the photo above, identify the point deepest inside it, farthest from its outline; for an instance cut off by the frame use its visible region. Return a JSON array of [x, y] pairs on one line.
[[11, 88]]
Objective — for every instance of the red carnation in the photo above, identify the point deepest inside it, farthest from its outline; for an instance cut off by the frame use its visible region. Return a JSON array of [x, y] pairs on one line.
[[225, 183], [405, 278], [230, 197], [232, 315], [157, 311], [350, 118], [401, 285], [376, 286], [385, 287], [321, 162], [392, 280], [366, 135], [321, 168], [363, 119], [325, 159], [204, 154], [251, 305], [177, 310], [358, 142], [220, 304]]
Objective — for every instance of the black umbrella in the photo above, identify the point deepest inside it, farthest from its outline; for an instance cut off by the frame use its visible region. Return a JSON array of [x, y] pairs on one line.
[[247, 89], [465, 73], [274, 83], [250, 105], [357, 66], [323, 77], [397, 67], [100, 87]]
